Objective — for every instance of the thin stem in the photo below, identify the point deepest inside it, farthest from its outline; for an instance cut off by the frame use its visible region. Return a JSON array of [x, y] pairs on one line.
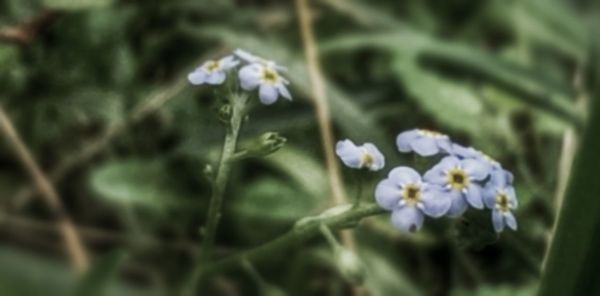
[[238, 104], [346, 219], [73, 243]]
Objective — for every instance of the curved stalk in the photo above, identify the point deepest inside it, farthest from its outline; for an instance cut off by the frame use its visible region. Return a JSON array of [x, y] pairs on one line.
[[303, 232]]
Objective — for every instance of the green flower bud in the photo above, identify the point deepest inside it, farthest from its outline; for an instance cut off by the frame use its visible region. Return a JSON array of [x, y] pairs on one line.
[[349, 266], [264, 145], [208, 172], [225, 113]]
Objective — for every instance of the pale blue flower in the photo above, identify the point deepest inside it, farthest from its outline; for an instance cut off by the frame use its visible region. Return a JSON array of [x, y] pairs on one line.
[[212, 72], [423, 142], [268, 81], [470, 152], [252, 59], [358, 157], [459, 178], [410, 199], [500, 196]]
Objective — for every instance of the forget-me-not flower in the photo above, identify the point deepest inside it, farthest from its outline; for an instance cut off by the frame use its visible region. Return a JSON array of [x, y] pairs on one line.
[[500, 196], [423, 142], [470, 152], [264, 75], [212, 72], [252, 59], [409, 198], [459, 178], [358, 157]]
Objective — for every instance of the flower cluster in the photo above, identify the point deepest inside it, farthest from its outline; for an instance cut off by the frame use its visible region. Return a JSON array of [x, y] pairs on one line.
[[254, 73], [465, 177]]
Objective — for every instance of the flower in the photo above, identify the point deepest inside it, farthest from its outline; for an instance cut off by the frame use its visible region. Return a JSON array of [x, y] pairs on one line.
[[212, 72], [252, 59], [409, 198], [358, 157], [459, 179], [423, 142], [269, 83], [470, 152], [500, 196]]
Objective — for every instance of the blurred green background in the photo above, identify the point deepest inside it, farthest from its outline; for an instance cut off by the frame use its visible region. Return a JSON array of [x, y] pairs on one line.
[[97, 91]]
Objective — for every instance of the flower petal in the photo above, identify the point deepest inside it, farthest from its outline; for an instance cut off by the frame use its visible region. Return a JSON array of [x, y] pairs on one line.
[[387, 194], [436, 202], [444, 144], [510, 220], [404, 139], [407, 218], [476, 169], [378, 159], [497, 220], [246, 56], [197, 77], [283, 91], [489, 195], [473, 196], [348, 153], [250, 76], [216, 78], [267, 94], [513, 201], [425, 146], [228, 62], [404, 175], [459, 204], [437, 174], [464, 152]]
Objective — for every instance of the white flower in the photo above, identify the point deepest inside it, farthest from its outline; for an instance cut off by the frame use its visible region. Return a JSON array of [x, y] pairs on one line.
[[358, 157], [268, 81], [212, 72]]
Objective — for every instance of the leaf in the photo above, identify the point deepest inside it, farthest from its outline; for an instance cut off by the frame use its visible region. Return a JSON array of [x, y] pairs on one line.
[[140, 183], [275, 201], [96, 281], [383, 278], [571, 264], [77, 4], [307, 173]]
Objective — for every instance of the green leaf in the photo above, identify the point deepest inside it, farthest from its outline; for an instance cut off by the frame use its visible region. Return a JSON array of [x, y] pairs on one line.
[[77, 4], [572, 261], [96, 281], [140, 183], [383, 278]]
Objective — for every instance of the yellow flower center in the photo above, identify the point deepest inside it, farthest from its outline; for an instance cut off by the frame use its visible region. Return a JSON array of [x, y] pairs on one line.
[[212, 66], [366, 159], [458, 179], [502, 202], [430, 133], [270, 76], [411, 194]]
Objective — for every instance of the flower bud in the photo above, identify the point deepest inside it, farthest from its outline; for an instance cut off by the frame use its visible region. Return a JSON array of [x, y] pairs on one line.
[[208, 172], [349, 266], [264, 145], [225, 113]]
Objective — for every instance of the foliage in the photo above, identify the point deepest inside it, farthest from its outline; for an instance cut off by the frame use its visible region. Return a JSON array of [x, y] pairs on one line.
[[97, 96]]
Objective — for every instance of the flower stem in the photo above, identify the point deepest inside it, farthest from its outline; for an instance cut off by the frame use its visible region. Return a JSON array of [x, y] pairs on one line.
[[238, 103], [346, 219]]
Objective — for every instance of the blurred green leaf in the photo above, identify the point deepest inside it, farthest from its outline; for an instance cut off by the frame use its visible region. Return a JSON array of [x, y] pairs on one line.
[[77, 4], [140, 183], [274, 200], [502, 290], [96, 281], [571, 263], [383, 278]]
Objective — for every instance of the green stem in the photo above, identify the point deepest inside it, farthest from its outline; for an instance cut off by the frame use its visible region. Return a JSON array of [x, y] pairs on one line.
[[238, 103], [346, 219], [238, 106]]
